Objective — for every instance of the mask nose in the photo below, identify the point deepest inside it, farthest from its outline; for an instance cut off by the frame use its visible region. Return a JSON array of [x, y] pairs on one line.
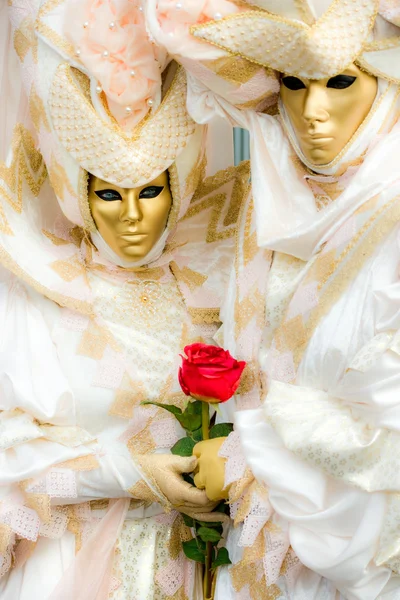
[[130, 207], [315, 105]]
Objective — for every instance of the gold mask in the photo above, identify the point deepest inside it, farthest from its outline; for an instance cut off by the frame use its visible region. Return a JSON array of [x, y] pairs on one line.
[[131, 221], [326, 113]]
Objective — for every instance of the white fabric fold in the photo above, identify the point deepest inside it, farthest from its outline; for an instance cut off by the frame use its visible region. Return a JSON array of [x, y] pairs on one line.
[[334, 530]]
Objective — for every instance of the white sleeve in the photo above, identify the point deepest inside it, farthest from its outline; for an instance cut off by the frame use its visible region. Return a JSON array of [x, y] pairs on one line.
[[334, 529]]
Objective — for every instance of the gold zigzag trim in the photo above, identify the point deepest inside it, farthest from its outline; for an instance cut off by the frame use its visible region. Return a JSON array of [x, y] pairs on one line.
[[27, 164]]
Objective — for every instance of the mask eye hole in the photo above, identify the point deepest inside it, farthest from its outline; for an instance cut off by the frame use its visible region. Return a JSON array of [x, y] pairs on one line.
[[341, 82], [293, 83], [108, 195], [152, 191]]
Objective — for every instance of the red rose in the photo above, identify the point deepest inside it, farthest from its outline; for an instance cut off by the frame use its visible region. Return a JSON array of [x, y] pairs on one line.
[[209, 373]]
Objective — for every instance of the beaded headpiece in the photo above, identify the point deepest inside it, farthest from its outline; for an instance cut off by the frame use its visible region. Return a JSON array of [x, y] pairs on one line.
[[311, 38]]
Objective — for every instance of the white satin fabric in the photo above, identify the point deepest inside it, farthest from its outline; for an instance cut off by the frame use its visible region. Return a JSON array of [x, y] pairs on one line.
[[54, 412], [327, 447]]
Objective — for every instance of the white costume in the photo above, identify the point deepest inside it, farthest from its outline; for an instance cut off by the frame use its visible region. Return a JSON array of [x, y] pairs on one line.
[[85, 337], [324, 443]]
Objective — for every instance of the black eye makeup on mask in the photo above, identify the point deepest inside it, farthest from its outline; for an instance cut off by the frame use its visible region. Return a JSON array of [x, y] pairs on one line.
[[293, 83], [341, 82], [108, 195], [151, 192]]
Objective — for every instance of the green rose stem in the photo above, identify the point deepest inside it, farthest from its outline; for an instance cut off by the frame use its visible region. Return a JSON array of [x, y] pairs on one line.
[[207, 583]]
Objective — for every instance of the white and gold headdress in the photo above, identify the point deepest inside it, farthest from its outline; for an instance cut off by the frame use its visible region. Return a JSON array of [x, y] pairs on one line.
[[311, 38], [106, 107]]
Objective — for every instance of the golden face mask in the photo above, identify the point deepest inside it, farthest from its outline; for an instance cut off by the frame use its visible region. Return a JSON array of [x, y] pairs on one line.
[[131, 221], [326, 113]]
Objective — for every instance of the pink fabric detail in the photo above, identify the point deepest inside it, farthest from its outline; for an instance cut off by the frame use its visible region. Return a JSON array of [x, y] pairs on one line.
[[73, 321], [174, 25], [19, 10], [26, 523], [83, 511], [277, 547], [293, 569], [244, 593], [171, 578], [260, 513], [114, 585], [37, 487], [110, 370], [165, 433], [167, 518], [88, 579], [304, 300], [282, 367], [56, 527], [189, 573], [112, 53], [235, 507], [141, 417], [345, 233], [390, 12], [236, 463], [61, 483]]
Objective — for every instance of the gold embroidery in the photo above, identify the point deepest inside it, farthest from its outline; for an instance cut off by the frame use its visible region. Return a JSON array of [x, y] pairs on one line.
[[37, 110], [312, 53], [72, 303], [235, 70], [249, 378], [83, 463], [53, 38], [174, 185], [202, 316], [57, 241], [75, 527], [27, 163], [82, 132], [179, 533], [4, 225], [127, 397], [25, 40], [41, 504], [59, 180], [359, 250], [191, 278], [69, 269], [83, 199], [95, 340], [196, 175], [5, 537]]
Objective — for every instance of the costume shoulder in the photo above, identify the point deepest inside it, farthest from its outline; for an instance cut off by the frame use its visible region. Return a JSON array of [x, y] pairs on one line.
[[221, 196], [207, 234]]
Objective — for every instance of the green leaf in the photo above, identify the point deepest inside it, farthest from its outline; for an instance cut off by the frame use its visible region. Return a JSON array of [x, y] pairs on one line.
[[221, 430], [221, 559], [197, 435], [189, 522], [169, 407], [192, 551], [183, 447], [223, 507], [207, 534], [191, 417], [217, 526]]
